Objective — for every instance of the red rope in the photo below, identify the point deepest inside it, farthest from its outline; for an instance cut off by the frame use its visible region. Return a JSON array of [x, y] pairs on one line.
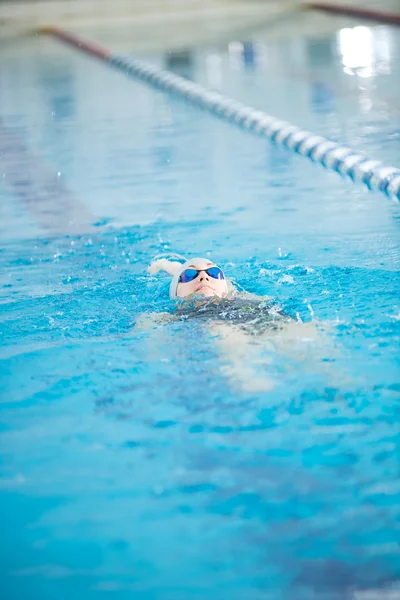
[[74, 40], [354, 11]]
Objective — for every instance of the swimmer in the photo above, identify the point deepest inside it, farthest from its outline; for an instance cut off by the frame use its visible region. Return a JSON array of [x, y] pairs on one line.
[[201, 290], [249, 330]]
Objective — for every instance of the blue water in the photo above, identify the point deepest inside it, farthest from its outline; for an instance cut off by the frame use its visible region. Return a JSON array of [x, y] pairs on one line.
[[136, 458]]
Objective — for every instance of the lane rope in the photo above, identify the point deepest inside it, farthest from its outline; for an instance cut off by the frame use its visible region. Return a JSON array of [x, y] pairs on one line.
[[374, 174]]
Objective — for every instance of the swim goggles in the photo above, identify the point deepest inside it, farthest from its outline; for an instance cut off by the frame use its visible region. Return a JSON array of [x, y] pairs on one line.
[[191, 274]]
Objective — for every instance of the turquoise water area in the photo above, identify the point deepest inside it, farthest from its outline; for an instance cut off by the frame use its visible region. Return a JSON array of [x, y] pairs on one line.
[[177, 461]]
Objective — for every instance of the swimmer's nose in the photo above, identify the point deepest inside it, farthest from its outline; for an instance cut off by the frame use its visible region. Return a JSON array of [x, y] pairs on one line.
[[203, 276]]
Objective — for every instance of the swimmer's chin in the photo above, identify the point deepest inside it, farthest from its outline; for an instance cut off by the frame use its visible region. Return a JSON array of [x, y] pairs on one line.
[[207, 292]]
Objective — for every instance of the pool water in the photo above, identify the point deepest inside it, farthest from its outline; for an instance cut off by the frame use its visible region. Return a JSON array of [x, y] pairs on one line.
[[165, 459]]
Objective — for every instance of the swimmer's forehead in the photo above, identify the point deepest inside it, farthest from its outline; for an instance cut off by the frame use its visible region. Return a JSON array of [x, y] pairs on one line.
[[200, 263]]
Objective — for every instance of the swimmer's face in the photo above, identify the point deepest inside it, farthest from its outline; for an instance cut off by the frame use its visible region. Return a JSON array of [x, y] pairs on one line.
[[204, 284]]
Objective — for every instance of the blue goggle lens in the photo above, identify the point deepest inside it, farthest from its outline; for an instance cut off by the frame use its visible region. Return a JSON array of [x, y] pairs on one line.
[[190, 274]]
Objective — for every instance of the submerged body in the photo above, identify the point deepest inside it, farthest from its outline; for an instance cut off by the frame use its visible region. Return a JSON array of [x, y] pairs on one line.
[[252, 315]]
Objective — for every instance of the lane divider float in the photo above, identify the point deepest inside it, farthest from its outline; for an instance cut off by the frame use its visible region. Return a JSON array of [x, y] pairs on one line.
[[333, 156]]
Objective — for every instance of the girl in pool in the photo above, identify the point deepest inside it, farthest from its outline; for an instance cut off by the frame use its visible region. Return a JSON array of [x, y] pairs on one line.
[[249, 330], [201, 290]]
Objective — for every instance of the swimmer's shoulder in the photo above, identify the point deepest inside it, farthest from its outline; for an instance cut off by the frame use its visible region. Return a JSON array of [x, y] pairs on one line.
[[266, 307]]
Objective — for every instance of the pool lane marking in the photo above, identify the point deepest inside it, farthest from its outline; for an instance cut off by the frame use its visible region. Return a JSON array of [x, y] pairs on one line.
[[39, 188], [369, 14], [331, 155]]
